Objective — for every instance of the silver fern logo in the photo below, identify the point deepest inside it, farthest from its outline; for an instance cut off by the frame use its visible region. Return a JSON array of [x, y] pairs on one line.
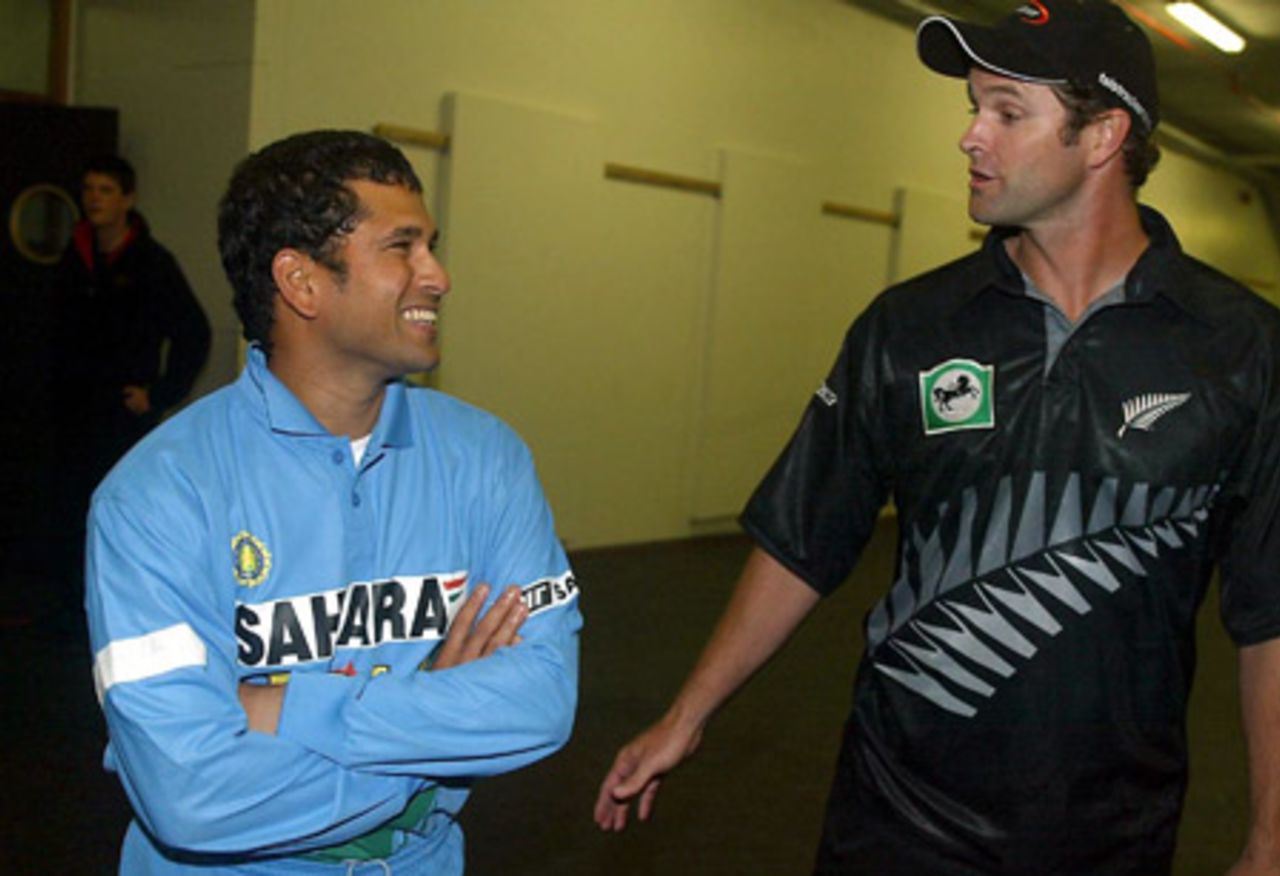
[[1142, 411], [986, 587]]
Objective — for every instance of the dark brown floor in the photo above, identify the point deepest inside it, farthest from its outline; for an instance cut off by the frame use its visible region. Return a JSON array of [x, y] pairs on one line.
[[750, 802]]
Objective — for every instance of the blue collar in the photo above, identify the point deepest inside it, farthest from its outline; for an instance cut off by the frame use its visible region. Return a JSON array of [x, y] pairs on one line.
[[285, 413]]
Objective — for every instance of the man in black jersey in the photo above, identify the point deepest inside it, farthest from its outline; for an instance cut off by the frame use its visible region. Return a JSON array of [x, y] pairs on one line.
[[1077, 424]]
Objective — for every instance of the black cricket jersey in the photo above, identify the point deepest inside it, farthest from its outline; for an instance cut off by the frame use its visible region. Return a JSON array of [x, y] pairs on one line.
[[1062, 499]]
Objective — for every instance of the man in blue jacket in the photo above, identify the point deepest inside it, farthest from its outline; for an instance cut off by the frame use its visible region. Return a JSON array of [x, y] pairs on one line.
[[299, 653]]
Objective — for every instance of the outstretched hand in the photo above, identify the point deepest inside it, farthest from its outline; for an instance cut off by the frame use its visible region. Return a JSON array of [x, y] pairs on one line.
[[638, 770], [470, 640]]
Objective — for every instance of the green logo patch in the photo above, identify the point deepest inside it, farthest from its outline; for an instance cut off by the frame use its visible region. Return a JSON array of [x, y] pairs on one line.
[[957, 395]]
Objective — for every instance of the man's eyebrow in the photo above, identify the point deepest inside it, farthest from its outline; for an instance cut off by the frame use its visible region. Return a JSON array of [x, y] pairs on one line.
[[403, 232], [999, 88]]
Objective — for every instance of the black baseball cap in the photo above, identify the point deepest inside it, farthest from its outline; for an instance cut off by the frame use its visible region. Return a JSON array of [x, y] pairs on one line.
[[1053, 42]]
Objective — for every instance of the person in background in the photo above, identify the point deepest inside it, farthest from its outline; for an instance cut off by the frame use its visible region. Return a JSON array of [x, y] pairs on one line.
[[131, 339]]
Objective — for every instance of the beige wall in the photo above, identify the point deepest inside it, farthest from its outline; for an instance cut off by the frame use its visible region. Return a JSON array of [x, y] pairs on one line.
[[179, 75], [24, 46], [1219, 218], [654, 347]]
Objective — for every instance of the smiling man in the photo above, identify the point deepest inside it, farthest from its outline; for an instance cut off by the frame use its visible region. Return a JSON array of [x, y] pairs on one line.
[[1076, 424], [300, 656]]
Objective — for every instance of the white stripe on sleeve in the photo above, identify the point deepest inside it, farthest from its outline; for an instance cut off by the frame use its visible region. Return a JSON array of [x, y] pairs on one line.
[[144, 657]]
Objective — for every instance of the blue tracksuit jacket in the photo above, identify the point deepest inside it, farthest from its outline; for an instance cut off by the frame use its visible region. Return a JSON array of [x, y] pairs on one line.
[[240, 541]]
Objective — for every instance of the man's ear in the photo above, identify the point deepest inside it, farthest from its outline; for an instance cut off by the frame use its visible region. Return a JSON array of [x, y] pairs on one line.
[[1107, 133], [293, 272]]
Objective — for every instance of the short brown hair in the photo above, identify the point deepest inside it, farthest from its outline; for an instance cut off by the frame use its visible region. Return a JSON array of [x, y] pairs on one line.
[[1083, 105]]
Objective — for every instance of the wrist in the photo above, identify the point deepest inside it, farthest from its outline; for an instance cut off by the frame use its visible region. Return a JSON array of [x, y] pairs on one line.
[[1262, 851], [687, 716]]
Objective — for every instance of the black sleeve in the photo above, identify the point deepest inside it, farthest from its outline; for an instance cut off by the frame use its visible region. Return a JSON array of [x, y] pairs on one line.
[[1251, 561], [184, 324], [817, 506]]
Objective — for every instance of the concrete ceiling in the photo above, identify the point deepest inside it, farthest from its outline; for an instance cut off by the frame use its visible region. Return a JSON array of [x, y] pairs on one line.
[[1225, 108]]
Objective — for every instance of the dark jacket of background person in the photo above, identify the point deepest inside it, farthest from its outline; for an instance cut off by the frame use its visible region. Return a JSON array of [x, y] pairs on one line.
[[116, 312], [123, 318]]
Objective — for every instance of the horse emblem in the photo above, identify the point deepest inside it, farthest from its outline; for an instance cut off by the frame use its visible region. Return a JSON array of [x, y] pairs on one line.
[[957, 394]]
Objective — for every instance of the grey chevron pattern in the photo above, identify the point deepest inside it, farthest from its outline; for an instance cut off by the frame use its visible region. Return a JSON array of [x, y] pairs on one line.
[[1036, 565]]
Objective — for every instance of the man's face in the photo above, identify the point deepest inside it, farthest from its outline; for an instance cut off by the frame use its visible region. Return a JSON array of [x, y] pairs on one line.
[[105, 203], [379, 320], [1020, 171]]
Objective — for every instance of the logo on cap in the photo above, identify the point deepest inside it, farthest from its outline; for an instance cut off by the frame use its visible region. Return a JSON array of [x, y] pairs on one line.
[[1034, 13], [1129, 100]]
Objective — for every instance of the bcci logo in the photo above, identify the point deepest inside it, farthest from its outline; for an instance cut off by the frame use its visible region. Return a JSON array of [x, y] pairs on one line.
[[957, 395], [250, 559]]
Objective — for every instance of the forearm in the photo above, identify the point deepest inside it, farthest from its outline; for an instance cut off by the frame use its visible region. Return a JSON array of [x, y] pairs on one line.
[[200, 783], [489, 716], [164, 667], [1260, 703], [767, 605]]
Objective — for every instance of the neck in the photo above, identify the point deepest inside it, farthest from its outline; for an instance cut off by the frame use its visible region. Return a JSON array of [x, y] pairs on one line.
[[111, 236], [1074, 260], [344, 403]]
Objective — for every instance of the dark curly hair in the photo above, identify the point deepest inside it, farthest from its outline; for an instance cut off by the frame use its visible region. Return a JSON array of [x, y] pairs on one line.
[[1086, 103], [294, 193]]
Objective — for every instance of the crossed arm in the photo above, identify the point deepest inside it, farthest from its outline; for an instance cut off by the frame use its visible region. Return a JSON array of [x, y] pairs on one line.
[[467, 640], [767, 605]]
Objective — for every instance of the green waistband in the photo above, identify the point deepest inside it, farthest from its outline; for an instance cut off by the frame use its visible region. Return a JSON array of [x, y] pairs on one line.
[[376, 844]]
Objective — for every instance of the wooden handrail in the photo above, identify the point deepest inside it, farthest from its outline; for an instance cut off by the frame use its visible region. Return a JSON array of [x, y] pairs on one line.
[[416, 136], [847, 211], [627, 173]]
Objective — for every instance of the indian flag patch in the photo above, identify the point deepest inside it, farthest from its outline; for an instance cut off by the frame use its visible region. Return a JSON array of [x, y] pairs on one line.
[[454, 588], [957, 394]]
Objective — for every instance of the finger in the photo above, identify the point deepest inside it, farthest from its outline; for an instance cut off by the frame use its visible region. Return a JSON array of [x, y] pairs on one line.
[[610, 814], [621, 815], [491, 623], [632, 782], [618, 772], [512, 616], [460, 629], [617, 816], [647, 796], [506, 634], [604, 807]]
